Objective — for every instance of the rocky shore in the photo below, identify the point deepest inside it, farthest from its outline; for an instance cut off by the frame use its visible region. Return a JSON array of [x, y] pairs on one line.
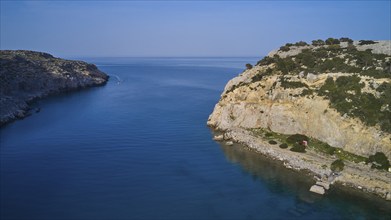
[[335, 93], [358, 176], [28, 75]]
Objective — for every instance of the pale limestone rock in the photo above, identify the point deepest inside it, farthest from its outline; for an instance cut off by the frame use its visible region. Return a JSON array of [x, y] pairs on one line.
[[311, 78], [277, 110], [317, 189], [229, 143], [218, 137], [325, 185]]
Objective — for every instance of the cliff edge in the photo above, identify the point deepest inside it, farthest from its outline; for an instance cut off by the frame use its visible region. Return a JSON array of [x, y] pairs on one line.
[[335, 95], [29, 75]]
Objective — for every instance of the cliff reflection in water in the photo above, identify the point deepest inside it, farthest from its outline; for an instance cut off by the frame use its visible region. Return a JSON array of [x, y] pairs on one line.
[[289, 183]]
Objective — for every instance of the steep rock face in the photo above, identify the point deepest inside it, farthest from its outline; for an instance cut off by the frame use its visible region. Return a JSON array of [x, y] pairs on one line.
[[28, 75], [291, 102]]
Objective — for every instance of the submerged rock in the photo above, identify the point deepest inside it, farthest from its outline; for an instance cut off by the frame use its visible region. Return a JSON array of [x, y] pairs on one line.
[[229, 143]]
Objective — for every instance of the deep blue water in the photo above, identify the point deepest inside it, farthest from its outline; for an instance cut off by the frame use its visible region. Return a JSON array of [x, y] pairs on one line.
[[140, 149]]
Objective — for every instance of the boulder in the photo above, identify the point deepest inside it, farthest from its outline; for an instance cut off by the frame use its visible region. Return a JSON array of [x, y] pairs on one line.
[[325, 185], [317, 189], [218, 137], [229, 143]]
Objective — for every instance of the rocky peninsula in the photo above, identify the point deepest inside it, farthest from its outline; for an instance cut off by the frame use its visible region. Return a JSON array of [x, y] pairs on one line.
[[323, 107], [28, 75]]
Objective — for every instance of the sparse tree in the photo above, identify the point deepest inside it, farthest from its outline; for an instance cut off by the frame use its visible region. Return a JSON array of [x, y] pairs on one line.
[[332, 41], [318, 42]]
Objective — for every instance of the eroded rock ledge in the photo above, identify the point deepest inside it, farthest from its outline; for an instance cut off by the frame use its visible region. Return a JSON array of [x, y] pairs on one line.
[[28, 75]]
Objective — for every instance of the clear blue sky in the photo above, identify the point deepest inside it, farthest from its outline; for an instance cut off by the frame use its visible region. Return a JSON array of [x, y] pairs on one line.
[[184, 28]]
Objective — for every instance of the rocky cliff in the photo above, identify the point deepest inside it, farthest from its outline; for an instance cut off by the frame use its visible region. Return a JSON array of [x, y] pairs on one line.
[[335, 92], [28, 75]]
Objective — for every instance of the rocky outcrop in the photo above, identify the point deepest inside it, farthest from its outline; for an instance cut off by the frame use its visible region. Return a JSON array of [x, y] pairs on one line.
[[283, 95], [28, 75], [266, 104]]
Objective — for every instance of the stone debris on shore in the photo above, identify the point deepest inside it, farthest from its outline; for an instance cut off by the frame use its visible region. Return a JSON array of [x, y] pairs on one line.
[[323, 183], [218, 138], [358, 176], [317, 189]]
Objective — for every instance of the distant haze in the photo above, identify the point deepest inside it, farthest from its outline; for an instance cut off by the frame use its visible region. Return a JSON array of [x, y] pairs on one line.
[[184, 28]]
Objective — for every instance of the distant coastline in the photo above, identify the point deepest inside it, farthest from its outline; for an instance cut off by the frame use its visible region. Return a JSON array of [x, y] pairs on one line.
[[28, 75]]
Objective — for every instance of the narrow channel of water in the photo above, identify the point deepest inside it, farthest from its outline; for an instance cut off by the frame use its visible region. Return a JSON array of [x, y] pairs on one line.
[[140, 149]]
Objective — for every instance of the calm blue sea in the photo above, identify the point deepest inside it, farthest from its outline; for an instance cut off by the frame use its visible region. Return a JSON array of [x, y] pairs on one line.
[[139, 148]]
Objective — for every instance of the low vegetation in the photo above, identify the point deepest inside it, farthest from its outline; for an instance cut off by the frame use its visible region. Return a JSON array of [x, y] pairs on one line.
[[379, 161], [337, 165], [298, 148], [283, 146], [346, 92], [294, 143], [346, 97], [329, 56]]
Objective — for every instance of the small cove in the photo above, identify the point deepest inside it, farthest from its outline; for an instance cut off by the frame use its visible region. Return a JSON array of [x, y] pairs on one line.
[[140, 149]]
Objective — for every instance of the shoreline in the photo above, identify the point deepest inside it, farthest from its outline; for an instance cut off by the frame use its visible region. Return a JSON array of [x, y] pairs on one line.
[[23, 108], [354, 176], [31, 75]]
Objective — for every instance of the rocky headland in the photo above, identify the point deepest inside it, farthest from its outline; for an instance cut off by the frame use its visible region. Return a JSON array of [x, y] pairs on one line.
[[323, 107], [28, 75]]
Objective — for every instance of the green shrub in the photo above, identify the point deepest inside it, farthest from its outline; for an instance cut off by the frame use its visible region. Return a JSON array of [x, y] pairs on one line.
[[292, 84], [318, 42], [273, 142], [298, 148], [364, 58], [364, 106], [331, 41], [345, 155], [266, 61], [306, 92], [297, 138], [256, 78], [345, 39], [249, 66], [337, 165], [306, 58], [284, 48], [379, 161], [283, 146], [300, 43], [286, 65], [269, 134], [364, 42], [326, 148]]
